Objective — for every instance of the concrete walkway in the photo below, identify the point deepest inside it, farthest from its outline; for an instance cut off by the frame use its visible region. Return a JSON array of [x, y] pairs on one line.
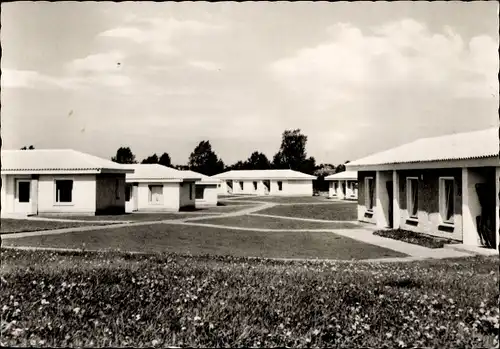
[[301, 219]]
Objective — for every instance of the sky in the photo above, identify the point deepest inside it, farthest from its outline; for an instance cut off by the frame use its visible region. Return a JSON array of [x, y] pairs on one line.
[[355, 77]]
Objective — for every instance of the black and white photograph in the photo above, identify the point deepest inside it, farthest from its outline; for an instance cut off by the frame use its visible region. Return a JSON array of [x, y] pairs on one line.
[[250, 174]]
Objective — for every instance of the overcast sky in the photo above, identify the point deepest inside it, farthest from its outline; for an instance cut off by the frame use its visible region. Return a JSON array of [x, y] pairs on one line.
[[355, 77]]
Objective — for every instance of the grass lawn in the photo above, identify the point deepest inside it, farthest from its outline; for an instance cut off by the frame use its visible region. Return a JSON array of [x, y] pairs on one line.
[[8, 225], [415, 238], [136, 217], [335, 211], [273, 223], [113, 300], [285, 199], [187, 239]]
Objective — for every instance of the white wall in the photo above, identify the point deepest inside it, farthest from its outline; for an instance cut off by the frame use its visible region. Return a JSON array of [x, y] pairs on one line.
[[171, 197], [9, 193], [84, 195]]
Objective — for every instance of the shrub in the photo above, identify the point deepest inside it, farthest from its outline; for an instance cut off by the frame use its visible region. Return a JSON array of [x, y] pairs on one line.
[[415, 238]]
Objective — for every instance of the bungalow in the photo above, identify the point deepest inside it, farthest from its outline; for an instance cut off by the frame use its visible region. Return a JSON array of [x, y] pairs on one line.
[[343, 185], [154, 187], [206, 190], [445, 186], [266, 182], [60, 181]]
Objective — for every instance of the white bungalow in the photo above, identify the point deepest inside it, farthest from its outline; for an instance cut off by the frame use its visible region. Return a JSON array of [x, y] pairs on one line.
[[343, 185], [445, 186], [154, 187], [266, 182], [60, 181], [206, 190]]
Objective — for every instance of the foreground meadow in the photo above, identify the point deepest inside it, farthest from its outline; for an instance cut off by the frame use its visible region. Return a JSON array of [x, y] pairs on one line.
[[111, 299]]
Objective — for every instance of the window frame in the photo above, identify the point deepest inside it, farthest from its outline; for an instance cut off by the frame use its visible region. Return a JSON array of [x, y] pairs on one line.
[[368, 196], [197, 189], [442, 200], [409, 197], [17, 191], [59, 203], [150, 195]]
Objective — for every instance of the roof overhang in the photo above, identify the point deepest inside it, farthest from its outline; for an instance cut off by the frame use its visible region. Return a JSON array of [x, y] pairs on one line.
[[267, 179], [57, 171], [492, 161], [160, 180]]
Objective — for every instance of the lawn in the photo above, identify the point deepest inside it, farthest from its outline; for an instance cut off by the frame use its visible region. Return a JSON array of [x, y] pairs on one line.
[[135, 217], [336, 211], [190, 239], [273, 223], [113, 300], [8, 225], [284, 199]]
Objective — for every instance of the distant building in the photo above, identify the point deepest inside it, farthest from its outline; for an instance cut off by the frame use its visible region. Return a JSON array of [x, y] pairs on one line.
[[154, 188], [343, 185], [445, 186], [266, 182], [60, 181], [206, 190]]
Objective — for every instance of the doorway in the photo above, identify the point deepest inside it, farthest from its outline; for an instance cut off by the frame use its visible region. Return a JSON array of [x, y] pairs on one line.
[[390, 192], [22, 201]]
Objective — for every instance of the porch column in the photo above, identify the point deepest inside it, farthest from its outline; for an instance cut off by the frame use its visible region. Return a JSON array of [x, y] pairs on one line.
[[469, 233], [497, 211], [396, 214], [34, 195], [381, 200]]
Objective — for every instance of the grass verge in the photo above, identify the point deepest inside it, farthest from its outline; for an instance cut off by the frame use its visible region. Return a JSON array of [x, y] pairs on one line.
[[9, 225], [115, 300], [334, 211]]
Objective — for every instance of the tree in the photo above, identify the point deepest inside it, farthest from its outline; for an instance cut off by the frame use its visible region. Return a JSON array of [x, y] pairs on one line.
[[240, 165], [204, 160], [165, 160], [153, 159], [340, 168], [28, 148], [124, 156], [258, 161], [292, 153]]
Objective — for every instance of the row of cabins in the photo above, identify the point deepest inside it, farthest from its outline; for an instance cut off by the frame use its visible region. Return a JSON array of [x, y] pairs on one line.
[[64, 181], [447, 186]]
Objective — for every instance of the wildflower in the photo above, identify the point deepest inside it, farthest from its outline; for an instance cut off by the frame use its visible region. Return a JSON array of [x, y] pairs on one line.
[[137, 317], [76, 310], [316, 332], [401, 343], [4, 308], [388, 334], [44, 301], [288, 333], [16, 304], [155, 342], [197, 318], [17, 332], [211, 326]]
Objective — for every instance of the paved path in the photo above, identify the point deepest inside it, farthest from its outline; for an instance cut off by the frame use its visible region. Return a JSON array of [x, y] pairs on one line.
[[301, 219]]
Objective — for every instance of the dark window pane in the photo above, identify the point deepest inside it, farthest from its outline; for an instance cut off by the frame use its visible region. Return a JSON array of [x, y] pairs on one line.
[[64, 191], [24, 191], [199, 192], [128, 192]]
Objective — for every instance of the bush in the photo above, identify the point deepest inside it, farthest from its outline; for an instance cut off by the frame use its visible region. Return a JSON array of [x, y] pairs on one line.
[[114, 299], [415, 238]]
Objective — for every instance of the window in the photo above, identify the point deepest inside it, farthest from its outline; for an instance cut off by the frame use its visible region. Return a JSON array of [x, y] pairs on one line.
[[117, 189], [280, 185], [447, 199], [190, 191], [64, 190], [156, 194], [369, 193], [128, 192], [229, 184], [255, 186], [335, 185], [23, 191], [241, 185], [412, 197], [199, 192]]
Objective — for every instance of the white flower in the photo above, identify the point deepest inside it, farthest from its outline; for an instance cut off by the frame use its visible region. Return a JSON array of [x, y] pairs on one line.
[[44, 301], [76, 310], [288, 333], [316, 332], [155, 342], [197, 318], [4, 308], [137, 317], [388, 334], [16, 304], [211, 326]]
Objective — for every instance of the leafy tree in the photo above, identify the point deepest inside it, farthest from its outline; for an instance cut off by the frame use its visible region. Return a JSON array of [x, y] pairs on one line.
[[292, 153], [258, 161], [124, 156], [165, 160], [340, 168], [204, 160], [324, 170], [240, 165], [153, 159], [28, 148]]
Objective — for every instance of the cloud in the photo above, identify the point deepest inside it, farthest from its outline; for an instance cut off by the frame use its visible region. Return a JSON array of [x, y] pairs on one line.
[[205, 65], [99, 62], [12, 78], [402, 55], [159, 34]]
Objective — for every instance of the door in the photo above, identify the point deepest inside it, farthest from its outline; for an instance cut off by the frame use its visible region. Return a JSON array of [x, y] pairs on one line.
[[267, 187], [344, 190], [156, 192], [22, 203], [390, 190]]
